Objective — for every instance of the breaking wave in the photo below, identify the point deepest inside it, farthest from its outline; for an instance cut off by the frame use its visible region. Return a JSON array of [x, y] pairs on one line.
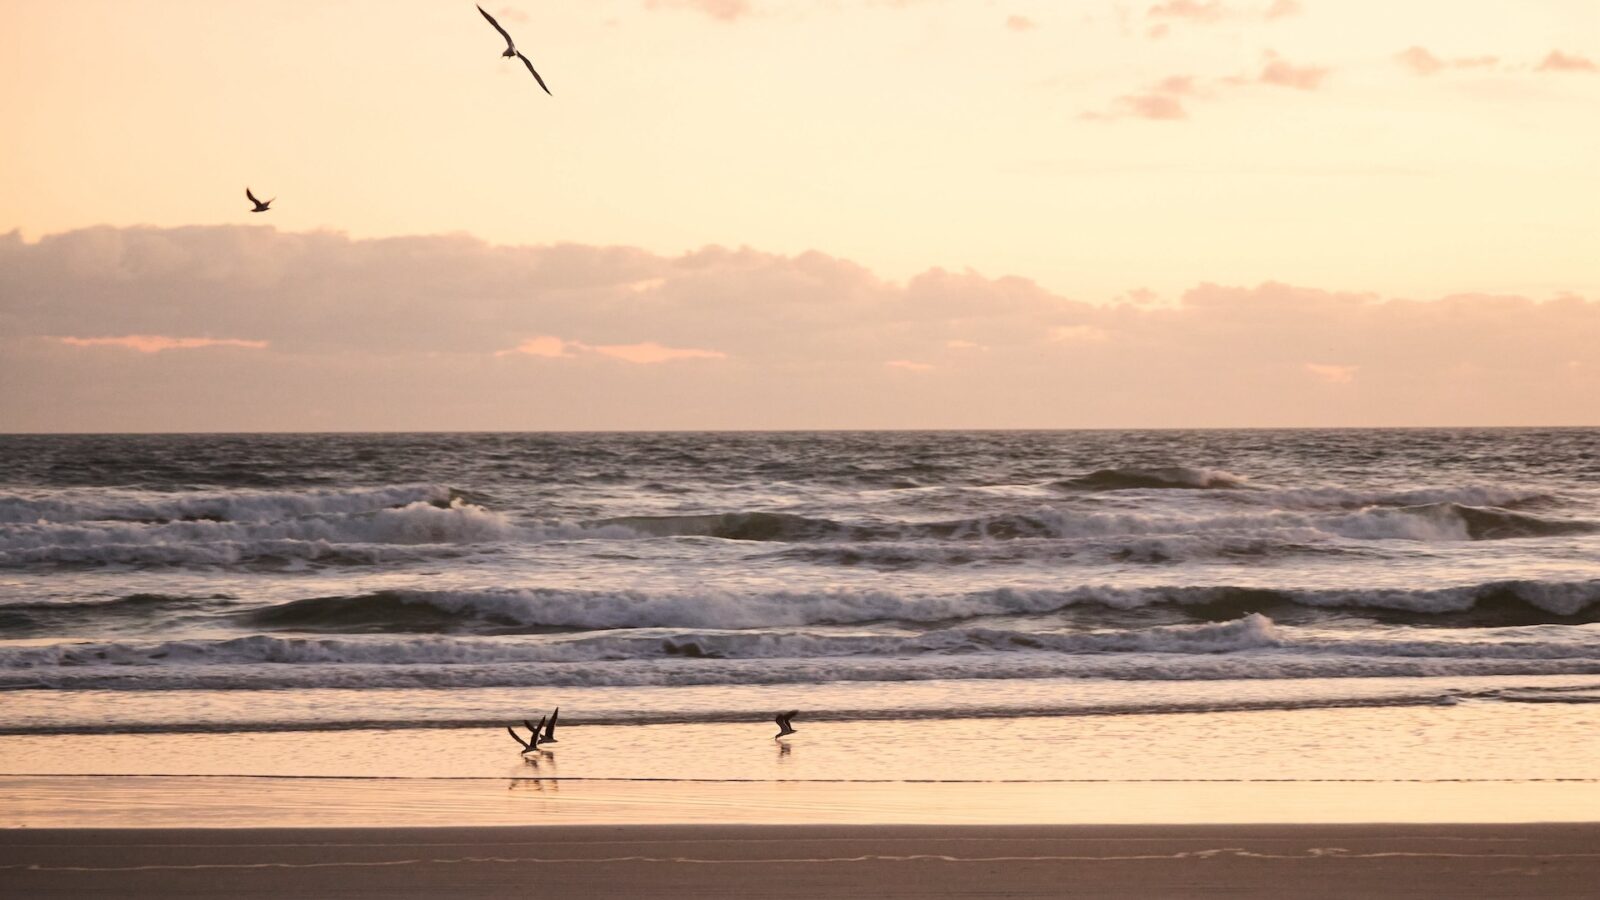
[[224, 506], [1164, 477], [416, 530], [1251, 647], [1516, 602]]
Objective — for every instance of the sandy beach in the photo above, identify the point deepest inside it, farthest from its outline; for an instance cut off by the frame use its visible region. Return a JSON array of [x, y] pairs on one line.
[[834, 861]]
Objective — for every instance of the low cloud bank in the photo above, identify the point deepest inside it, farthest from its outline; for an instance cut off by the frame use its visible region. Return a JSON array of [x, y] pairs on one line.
[[232, 328]]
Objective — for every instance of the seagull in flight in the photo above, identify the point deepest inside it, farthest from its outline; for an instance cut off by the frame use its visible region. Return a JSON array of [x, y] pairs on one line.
[[783, 723], [261, 205], [511, 50], [532, 743]]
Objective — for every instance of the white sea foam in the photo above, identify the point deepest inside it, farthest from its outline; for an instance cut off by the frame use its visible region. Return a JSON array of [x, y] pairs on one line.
[[83, 505], [313, 536], [1249, 648]]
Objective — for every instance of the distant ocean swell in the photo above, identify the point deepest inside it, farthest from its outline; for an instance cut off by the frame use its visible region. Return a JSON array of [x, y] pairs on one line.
[[342, 528]]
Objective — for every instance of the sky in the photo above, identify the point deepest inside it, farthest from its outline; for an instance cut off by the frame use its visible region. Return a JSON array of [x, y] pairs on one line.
[[799, 214]]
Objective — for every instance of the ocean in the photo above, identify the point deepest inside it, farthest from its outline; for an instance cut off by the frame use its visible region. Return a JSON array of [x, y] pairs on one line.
[[258, 583]]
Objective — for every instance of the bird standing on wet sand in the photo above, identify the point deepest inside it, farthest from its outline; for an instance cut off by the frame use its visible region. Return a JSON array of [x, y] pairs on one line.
[[783, 723], [261, 205], [511, 50]]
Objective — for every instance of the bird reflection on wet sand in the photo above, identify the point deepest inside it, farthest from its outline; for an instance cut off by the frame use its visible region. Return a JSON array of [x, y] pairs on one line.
[[542, 785]]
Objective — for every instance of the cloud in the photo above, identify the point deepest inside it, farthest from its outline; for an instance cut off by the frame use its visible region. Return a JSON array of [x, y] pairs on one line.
[[450, 332], [1422, 62], [651, 352], [156, 343], [644, 353], [1333, 374], [510, 14], [1020, 23], [1162, 101], [721, 10], [1212, 12], [1281, 72], [1567, 62], [1205, 13], [1166, 99], [1282, 9], [543, 345]]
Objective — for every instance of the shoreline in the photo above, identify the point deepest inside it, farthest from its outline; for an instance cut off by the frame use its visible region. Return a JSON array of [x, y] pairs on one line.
[[1544, 860]]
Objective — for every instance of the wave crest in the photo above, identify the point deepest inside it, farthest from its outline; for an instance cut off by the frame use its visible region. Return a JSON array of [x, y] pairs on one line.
[[1158, 478]]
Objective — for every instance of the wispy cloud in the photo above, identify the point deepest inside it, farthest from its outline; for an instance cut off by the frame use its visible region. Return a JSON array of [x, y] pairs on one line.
[[721, 10], [156, 343], [645, 353], [1162, 101], [1020, 23], [1167, 100], [544, 345], [1332, 374], [650, 352], [1212, 12], [1421, 62]]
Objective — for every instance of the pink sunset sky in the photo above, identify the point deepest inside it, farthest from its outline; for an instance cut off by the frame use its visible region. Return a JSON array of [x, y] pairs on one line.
[[799, 214]]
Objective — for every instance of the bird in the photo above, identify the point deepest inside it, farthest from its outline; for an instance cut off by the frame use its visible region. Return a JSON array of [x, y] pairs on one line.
[[532, 743], [511, 50], [550, 731], [783, 723], [261, 205]]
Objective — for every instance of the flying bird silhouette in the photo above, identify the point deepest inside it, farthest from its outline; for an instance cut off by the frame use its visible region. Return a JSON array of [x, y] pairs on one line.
[[511, 50], [550, 730], [532, 743], [261, 205], [783, 723]]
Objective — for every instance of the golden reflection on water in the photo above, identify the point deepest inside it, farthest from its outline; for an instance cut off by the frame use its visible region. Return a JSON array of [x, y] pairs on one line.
[[1475, 762], [1469, 741]]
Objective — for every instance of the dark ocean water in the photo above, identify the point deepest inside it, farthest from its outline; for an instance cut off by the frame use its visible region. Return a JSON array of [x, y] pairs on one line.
[[162, 580]]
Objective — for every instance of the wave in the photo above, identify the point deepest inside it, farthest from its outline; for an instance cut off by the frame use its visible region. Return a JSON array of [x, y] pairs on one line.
[[1252, 647], [1433, 522], [560, 611], [1508, 497], [1245, 633], [1454, 521], [405, 523], [1163, 477], [135, 609], [369, 537], [739, 526], [536, 610], [228, 506]]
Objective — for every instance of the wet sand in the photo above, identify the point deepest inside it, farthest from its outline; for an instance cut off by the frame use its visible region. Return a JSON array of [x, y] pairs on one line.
[[809, 861]]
